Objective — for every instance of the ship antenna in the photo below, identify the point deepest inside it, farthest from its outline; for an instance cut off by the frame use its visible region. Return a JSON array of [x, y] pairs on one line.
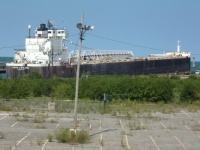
[[29, 30], [178, 47], [50, 24]]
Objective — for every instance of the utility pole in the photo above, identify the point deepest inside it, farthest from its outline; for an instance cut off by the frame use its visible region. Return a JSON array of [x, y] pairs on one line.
[[52, 85], [83, 28]]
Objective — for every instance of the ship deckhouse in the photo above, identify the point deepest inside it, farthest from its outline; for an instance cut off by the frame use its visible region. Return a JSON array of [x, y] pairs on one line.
[[47, 43]]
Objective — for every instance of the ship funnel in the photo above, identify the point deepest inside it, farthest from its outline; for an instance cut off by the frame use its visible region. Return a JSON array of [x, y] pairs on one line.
[[178, 47]]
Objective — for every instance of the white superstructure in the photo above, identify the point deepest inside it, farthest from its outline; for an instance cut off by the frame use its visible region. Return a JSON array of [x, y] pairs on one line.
[[177, 53], [46, 45]]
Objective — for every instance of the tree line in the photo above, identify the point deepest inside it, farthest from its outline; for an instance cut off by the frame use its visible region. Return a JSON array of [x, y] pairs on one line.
[[141, 88]]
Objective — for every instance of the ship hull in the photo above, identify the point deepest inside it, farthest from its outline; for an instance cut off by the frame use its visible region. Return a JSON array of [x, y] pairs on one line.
[[124, 67], [138, 67]]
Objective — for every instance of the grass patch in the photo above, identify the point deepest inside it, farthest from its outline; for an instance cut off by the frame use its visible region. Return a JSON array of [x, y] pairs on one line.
[[128, 108], [38, 120], [65, 135], [5, 108], [136, 125]]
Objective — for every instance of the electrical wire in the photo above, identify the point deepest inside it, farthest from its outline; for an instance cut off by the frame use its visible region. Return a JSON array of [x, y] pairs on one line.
[[130, 43], [125, 42], [73, 34], [82, 46]]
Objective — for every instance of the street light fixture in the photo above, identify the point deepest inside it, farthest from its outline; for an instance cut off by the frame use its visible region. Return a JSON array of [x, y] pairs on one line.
[[83, 29]]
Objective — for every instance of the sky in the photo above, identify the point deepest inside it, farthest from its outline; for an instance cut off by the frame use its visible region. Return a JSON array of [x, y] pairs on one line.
[[142, 26]]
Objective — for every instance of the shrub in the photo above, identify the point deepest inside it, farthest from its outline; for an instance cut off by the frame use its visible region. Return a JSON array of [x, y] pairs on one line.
[[63, 91]]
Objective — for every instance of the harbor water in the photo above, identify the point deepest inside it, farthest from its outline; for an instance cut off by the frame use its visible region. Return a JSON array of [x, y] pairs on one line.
[[5, 59]]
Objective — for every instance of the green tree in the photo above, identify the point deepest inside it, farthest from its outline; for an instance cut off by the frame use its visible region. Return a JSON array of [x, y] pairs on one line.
[[63, 91], [41, 87], [190, 90], [35, 75], [16, 88]]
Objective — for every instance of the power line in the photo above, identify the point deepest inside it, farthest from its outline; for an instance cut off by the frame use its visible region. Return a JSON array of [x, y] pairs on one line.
[[195, 54], [126, 43], [5, 47], [72, 35], [76, 44]]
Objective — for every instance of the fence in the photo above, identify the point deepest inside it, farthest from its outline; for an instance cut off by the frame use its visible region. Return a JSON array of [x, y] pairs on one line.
[[84, 106]]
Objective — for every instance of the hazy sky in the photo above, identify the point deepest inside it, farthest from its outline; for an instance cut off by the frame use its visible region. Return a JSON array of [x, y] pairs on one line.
[[143, 26]]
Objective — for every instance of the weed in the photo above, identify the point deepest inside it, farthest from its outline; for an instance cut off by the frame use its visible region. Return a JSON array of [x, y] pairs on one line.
[[171, 128], [101, 142], [38, 120], [123, 132], [136, 126], [65, 135], [40, 126], [5, 108], [25, 115], [54, 121], [122, 143], [50, 137], [83, 111], [196, 127], [2, 135], [39, 142], [16, 114], [128, 115], [22, 119], [31, 143], [115, 113]]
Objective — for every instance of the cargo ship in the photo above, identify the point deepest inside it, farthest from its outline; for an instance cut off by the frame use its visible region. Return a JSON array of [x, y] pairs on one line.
[[46, 53]]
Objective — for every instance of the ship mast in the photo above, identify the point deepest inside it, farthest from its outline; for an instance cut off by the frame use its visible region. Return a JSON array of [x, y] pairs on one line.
[[178, 47]]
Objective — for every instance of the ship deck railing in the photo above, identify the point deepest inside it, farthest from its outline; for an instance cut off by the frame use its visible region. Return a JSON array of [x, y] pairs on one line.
[[129, 59]]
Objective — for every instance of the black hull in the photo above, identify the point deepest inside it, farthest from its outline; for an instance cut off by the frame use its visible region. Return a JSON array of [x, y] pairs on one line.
[[127, 67]]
